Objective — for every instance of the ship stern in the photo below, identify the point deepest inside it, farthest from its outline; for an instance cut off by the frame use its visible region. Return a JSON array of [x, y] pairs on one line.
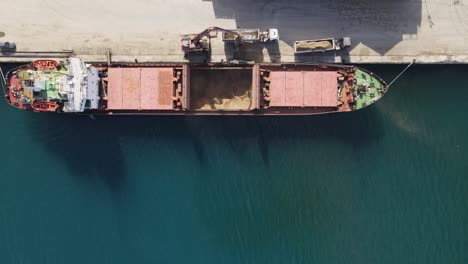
[[14, 94]]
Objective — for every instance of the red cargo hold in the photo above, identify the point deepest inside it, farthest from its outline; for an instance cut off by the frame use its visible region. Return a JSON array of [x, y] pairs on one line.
[[140, 88]]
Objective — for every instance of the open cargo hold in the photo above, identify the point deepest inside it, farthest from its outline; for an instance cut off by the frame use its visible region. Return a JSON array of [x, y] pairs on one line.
[[221, 88]]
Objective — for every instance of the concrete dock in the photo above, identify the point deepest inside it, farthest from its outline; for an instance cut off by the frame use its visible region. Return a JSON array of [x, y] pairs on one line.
[[384, 31]]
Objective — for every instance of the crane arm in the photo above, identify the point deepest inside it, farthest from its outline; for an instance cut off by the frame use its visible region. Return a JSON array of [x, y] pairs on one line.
[[207, 31]]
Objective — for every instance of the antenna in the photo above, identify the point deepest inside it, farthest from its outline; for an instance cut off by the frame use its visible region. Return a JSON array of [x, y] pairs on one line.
[[401, 73]]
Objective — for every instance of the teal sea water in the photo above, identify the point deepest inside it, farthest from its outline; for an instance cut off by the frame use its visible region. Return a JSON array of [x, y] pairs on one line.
[[388, 184]]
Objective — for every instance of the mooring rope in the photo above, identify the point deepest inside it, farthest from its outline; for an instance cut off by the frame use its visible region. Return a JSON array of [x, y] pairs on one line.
[[401, 73]]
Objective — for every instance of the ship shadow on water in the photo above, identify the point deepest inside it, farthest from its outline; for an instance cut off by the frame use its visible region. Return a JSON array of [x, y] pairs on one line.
[[281, 196], [92, 148], [255, 204], [355, 129], [89, 149]]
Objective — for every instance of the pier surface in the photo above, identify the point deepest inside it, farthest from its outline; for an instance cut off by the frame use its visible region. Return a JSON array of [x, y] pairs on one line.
[[385, 31]]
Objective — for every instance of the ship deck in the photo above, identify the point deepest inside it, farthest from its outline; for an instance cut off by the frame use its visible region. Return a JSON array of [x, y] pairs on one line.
[[218, 88], [215, 88]]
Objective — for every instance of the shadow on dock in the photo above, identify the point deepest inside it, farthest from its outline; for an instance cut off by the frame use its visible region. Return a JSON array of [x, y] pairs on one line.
[[255, 52], [379, 25]]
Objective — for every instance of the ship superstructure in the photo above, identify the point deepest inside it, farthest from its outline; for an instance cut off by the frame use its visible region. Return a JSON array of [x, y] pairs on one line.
[[48, 85]]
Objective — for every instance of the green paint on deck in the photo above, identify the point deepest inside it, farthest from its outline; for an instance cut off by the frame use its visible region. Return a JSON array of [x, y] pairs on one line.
[[367, 89]]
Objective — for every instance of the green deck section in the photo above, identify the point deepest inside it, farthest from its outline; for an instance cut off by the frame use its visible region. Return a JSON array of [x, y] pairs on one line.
[[52, 83], [367, 89]]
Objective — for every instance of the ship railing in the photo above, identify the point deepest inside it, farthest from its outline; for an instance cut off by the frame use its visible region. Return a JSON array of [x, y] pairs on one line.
[[3, 81]]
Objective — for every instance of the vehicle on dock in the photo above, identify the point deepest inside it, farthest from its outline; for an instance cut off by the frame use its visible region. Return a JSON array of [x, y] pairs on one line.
[[251, 35], [321, 45], [7, 46], [72, 86], [201, 41]]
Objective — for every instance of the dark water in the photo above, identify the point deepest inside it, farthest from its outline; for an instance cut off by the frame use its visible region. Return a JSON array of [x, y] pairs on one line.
[[388, 184]]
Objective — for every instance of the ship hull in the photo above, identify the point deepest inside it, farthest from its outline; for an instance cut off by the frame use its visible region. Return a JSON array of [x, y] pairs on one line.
[[192, 89]]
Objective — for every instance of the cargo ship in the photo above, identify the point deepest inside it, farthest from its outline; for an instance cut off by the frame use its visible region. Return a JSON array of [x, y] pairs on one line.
[[72, 86]]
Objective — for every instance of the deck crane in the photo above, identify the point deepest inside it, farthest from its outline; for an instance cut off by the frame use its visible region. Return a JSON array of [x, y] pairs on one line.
[[198, 42]]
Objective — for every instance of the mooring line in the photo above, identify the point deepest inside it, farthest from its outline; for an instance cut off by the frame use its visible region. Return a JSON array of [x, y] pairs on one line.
[[403, 71]]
